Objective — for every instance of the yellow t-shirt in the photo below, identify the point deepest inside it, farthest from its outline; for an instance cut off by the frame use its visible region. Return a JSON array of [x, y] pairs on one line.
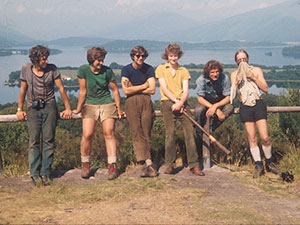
[[173, 83]]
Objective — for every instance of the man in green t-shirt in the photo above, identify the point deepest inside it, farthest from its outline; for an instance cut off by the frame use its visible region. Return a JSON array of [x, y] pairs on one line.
[[95, 102]]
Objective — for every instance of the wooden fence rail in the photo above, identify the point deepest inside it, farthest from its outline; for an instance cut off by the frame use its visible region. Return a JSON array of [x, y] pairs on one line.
[[273, 109]]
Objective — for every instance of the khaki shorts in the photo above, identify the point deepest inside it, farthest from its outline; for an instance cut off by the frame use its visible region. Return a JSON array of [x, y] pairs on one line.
[[101, 112]]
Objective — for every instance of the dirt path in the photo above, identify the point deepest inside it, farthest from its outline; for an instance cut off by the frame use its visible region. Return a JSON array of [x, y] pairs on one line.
[[219, 197]]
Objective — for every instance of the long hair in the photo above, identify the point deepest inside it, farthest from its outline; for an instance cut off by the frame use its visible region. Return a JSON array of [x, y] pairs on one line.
[[138, 49], [37, 52]]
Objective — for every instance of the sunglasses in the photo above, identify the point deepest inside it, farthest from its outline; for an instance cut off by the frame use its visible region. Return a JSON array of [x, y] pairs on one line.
[[138, 56]]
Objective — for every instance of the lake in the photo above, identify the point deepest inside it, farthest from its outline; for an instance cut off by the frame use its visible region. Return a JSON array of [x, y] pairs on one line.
[[76, 56]]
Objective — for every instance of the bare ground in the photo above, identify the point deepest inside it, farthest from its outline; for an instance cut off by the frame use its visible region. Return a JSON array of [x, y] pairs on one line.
[[222, 196]]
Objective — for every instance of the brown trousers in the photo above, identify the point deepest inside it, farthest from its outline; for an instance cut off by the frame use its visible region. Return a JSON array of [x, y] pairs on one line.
[[140, 115]]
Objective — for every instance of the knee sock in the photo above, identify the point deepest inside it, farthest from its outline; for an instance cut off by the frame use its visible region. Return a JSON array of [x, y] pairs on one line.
[[255, 153], [267, 151], [85, 159], [148, 162], [111, 159]]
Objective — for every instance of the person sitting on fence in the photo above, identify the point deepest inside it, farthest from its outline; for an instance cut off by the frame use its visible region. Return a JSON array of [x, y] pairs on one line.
[[37, 81], [138, 83], [213, 106], [94, 103], [249, 80], [174, 89]]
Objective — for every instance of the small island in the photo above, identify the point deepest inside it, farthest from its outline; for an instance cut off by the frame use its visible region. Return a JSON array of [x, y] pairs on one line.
[[12, 51]]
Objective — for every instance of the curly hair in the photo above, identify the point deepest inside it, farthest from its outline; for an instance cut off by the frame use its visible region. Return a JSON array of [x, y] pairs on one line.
[[211, 65], [37, 52], [174, 48], [95, 53], [138, 49]]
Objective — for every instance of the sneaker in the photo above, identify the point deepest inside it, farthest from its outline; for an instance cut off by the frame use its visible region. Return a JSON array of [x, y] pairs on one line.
[[36, 180], [196, 171], [259, 169], [149, 171], [45, 180], [272, 167], [112, 171], [85, 170]]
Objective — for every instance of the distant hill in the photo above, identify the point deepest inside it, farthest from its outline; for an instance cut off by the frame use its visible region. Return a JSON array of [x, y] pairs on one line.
[[278, 23], [10, 37], [78, 41], [127, 45]]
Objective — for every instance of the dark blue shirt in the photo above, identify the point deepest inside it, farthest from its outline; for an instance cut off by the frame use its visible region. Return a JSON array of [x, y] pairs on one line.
[[138, 77], [213, 91]]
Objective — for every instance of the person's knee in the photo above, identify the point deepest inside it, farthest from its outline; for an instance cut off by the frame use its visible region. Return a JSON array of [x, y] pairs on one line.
[[265, 141], [200, 111], [108, 134], [252, 139]]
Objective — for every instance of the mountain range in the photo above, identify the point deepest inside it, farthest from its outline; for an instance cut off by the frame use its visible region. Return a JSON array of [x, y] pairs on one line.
[[277, 23]]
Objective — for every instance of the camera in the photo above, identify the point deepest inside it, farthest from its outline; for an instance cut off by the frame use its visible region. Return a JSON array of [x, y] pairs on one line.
[[38, 103]]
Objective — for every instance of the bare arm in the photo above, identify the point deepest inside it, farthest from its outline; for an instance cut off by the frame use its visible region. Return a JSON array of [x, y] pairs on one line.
[[21, 114], [67, 113], [151, 88], [117, 98], [129, 89], [81, 96]]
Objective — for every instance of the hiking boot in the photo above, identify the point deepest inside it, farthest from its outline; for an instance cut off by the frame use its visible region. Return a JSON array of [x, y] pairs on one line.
[[36, 180], [196, 171], [112, 171], [85, 170], [272, 167], [170, 170], [259, 169], [149, 171], [45, 180]]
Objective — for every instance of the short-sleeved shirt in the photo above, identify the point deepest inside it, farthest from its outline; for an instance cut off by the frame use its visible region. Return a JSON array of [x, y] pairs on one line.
[[137, 76], [213, 91], [173, 83], [97, 84], [41, 87]]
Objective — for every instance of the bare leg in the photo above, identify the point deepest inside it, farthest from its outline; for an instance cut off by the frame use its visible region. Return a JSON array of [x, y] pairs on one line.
[[88, 127], [110, 140], [251, 131]]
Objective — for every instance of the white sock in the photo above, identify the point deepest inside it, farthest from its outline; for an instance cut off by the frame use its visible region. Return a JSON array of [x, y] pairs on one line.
[[111, 159], [267, 151], [148, 162], [85, 159], [255, 153]]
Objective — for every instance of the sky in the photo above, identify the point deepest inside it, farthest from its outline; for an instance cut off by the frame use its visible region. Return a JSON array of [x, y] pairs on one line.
[[52, 19]]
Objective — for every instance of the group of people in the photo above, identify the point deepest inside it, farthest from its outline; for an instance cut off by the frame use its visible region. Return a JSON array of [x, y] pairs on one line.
[[215, 92]]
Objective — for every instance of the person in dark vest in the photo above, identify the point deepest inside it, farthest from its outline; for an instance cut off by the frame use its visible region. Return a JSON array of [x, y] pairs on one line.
[[37, 81]]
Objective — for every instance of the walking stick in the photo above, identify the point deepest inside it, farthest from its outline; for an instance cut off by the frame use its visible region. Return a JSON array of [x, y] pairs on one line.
[[222, 147]]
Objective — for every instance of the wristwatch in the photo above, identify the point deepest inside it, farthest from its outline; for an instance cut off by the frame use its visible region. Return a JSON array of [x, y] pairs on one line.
[[19, 109]]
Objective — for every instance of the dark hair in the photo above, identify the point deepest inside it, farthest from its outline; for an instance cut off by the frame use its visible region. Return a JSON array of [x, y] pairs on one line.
[[95, 53], [138, 49], [211, 65], [37, 52], [174, 48], [239, 51]]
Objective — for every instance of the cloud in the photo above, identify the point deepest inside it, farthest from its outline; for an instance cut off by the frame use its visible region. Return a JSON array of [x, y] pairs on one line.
[[20, 8], [45, 11]]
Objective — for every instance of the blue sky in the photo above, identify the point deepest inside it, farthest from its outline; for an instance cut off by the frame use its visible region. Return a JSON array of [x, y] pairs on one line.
[[50, 19]]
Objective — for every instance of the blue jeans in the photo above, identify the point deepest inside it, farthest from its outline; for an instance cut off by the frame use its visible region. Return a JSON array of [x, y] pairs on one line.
[[41, 126]]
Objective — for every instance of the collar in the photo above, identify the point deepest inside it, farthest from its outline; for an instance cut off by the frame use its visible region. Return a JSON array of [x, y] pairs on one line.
[[167, 66]]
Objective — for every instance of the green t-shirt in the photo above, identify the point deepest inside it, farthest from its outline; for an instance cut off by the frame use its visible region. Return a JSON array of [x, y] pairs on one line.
[[97, 84]]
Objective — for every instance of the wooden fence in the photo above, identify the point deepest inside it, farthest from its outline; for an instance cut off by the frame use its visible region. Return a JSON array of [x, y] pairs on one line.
[[273, 109]]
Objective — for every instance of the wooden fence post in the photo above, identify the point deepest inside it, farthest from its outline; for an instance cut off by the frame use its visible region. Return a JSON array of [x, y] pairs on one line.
[[206, 146]]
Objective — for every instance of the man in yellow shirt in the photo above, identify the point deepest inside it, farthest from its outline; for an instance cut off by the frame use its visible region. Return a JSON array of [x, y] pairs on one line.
[[174, 89]]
